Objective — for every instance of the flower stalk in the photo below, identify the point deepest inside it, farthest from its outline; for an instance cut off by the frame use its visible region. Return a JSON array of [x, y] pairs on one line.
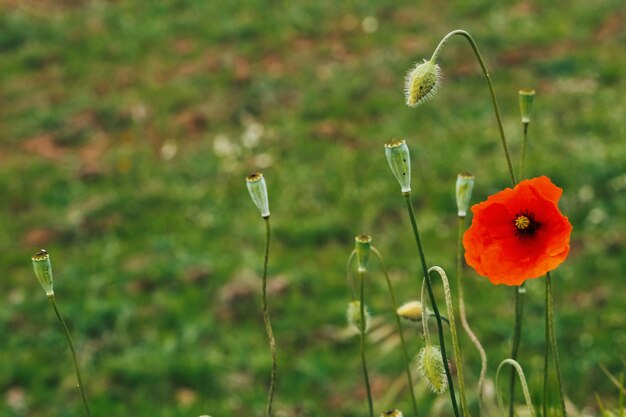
[[492, 93], [463, 315], [431, 296], [405, 351], [258, 193], [455, 337], [43, 272], [362, 334], [517, 368], [553, 347]]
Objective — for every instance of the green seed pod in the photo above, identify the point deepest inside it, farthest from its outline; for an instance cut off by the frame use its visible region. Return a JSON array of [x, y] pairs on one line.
[[353, 315], [464, 187], [399, 160], [392, 413], [526, 98], [258, 192], [43, 270], [430, 367], [421, 83], [362, 246]]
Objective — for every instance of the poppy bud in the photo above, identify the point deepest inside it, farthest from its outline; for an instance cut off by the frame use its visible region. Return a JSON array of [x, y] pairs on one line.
[[464, 187], [354, 316], [430, 367], [421, 83], [362, 246], [411, 311], [400, 162], [526, 98], [258, 192], [43, 270], [392, 413]]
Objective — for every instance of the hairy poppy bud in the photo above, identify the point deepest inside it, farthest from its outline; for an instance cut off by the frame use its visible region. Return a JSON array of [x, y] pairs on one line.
[[430, 367], [354, 316], [258, 192], [399, 160], [526, 98], [464, 187], [421, 83], [43, 270], [362, 246]]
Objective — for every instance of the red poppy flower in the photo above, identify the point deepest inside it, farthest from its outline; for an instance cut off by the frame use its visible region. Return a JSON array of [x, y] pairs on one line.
[[518, 233]]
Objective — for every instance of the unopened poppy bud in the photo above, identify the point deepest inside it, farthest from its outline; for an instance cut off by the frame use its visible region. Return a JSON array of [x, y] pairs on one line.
[[258, 192], [362, 246], [354, 316], [421, 83], [526, 98], [399, 160], [411, 311], [464, 187], [430, 367], [43, 270], [392, 413]]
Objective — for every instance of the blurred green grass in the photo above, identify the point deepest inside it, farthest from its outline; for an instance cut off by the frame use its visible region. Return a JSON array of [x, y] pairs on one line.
[[127, 129]]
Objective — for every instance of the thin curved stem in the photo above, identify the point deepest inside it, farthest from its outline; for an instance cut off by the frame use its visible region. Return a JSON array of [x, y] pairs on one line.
[[431, 295], [483, 67], [349, 278], [394, 305], [267, 321], [363, 361], [463, 316], [73, 350], [524, 145], [546, 358], [522, 378], [455, 337], [555, 352], [517, 336]]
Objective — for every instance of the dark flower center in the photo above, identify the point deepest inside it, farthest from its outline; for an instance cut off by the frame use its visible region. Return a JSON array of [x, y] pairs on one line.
[[525, 224]]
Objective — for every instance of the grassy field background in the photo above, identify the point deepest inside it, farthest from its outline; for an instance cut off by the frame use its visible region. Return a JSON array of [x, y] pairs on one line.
[[127, 128]]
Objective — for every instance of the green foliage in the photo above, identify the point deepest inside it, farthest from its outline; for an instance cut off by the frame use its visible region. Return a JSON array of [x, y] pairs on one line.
[[128, 128]]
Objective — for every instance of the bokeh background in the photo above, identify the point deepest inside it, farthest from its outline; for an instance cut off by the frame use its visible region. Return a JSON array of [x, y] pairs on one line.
[[127, 128]]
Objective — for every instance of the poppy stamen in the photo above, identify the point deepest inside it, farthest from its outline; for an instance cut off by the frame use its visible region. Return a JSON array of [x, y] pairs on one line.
[[525, 224]]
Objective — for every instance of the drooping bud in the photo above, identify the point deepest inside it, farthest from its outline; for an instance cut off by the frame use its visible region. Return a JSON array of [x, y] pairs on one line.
[[526, 98], [421, 83], [392, 413], [464, 187], [430, 367], [399, 160], [411, 311], [354, 316], [43, 271], [258, 192], [362, 246]]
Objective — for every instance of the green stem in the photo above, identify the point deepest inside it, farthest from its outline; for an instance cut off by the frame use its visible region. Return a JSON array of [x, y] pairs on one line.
[[463, 316], [350, 280], [517, 336], [394, 305], [73, 350], [546, 359], [431, 295], [522, 378], [363, 361], [496, 109], [455, 337], [267, 322], [555, 352], [524, 144]]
